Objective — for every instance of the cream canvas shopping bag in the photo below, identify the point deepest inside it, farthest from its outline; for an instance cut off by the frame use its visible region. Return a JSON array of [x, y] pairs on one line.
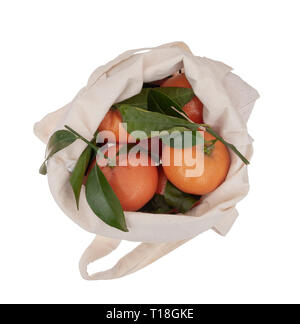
[[228, 102]]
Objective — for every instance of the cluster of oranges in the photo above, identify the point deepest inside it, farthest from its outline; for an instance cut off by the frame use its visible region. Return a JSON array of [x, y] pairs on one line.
[[135, 185]]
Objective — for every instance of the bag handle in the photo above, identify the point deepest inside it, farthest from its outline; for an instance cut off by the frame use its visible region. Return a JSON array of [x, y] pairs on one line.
[[124, 56], [140, 257]]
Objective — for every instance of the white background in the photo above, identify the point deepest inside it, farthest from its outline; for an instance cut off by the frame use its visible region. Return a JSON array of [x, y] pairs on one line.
[[48, 50]]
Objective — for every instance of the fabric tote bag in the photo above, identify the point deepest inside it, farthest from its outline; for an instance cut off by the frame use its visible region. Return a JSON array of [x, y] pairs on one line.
[[228, 102]]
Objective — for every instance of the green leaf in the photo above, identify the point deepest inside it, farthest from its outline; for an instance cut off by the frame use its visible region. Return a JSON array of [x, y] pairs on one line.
[[140, 119], [181, 96], [140, 100], [167, 97], [157, 205], [172, 200], [43, 169], [161, 103], [103, 201], [147, 121], [229, 145], [58, 141], [179, 200], [78, 173]]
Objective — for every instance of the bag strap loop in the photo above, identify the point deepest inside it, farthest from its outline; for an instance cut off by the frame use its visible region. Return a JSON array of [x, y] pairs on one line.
[[141, 256], [124, 56]]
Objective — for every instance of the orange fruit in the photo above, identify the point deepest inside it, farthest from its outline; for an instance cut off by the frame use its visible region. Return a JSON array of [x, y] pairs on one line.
[[134, 185], [111, 122], [194, 108], [161, 187], [214, 167]]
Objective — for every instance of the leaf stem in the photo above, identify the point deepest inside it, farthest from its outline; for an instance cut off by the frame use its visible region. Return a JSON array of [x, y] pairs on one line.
[[221, 139], [111, 163], [93, 146], [231, 146]]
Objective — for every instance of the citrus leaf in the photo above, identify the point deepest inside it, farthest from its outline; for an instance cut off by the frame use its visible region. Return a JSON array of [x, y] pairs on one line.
[[168, 96], [58, 141], [178, 199], [157, 205], [229, 145], [153, 103], [181, 96], [78, 173], [43, 169], [103, 201], [139, 119], [140, 100], [172, 200], [161, 103]]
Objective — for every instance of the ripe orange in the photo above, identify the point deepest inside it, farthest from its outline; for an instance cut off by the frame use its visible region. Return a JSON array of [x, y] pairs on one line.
[[133, 185], [215, 168], [111, 122], [194, 108], [161, 186]]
